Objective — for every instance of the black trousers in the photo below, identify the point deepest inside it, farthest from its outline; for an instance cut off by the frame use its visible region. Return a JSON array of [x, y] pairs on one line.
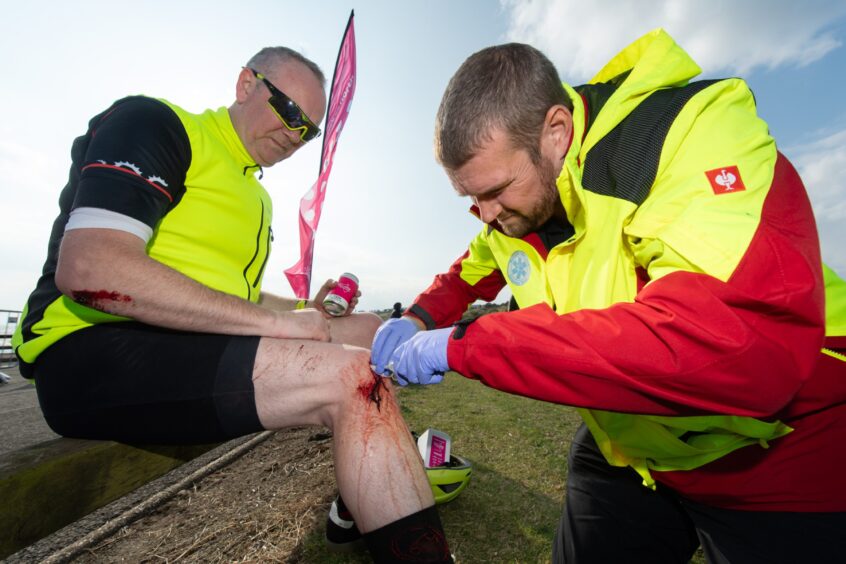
[[609, 517]]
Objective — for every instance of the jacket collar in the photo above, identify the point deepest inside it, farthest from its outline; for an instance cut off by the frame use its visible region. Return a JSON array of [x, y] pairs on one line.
[[651, 62]]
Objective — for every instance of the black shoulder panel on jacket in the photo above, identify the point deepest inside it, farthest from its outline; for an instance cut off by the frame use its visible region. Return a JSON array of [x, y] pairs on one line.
[[595, 96], [623, 164]]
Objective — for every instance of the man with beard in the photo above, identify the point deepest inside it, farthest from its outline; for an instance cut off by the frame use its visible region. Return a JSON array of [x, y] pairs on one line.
[[666, 276]]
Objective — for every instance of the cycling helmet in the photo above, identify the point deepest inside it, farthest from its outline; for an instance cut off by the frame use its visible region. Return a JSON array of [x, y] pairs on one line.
[[450, 479]]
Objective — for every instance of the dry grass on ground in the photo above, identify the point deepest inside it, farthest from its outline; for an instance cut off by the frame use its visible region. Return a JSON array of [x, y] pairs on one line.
[[258, 509], [270, 505]]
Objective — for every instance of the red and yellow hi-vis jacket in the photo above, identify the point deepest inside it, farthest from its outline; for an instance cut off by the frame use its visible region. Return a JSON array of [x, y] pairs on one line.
[[685, 317]]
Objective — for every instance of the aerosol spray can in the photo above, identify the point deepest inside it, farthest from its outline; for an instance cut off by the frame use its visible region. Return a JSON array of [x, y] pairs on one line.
[[339, 298]]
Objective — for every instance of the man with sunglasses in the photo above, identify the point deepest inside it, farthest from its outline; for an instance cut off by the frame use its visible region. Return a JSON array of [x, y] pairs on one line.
[[665, 271], [149, 325]]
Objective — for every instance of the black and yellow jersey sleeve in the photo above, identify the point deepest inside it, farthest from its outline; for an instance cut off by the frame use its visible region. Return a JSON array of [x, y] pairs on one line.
[[134, 160]]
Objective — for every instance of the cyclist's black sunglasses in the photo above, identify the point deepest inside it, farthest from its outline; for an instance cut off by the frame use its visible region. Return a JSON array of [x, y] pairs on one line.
[[288, 112]]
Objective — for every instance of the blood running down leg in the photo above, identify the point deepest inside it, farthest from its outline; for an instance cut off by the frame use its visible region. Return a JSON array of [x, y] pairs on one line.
[[379, 472], [418, 536]]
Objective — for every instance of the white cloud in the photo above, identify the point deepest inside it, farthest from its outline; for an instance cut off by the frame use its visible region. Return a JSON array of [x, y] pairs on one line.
[[822, 165], [722, 35]]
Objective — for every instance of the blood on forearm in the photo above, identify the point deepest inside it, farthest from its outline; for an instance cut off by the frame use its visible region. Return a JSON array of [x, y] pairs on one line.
[[99, 299]]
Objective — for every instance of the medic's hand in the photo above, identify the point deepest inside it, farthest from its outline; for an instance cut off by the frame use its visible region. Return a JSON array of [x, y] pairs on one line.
[[389, 336], [423, 358]]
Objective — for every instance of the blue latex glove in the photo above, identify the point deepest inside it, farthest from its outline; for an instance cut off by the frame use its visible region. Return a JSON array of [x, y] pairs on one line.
[[423, 358], [389, 336]]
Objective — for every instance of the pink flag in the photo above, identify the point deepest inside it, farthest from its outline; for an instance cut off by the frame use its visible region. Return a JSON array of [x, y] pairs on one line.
[[340, 101]]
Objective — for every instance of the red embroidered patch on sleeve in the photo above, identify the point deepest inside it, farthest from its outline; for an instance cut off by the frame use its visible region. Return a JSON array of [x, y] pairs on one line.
[[725, 180]]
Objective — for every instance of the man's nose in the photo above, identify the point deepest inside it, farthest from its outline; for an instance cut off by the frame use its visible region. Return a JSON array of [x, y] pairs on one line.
[[293, 136], [489, 210]]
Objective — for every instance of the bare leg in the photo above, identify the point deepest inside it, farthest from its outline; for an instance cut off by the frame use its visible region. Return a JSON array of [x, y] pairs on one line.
[[377, 466], [357, 329]]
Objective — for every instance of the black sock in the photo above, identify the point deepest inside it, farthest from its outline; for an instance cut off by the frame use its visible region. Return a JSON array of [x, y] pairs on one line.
[[343, 512], [416, 538]]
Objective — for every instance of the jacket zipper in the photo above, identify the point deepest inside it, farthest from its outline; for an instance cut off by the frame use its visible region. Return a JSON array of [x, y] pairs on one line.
[[266, 256], [255, 255], [836, 355]]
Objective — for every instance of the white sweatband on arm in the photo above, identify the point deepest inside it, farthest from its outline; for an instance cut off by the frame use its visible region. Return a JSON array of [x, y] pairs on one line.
[[98, 218]]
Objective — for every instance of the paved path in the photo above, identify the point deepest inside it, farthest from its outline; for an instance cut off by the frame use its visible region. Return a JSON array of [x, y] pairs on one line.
[[21, 421]]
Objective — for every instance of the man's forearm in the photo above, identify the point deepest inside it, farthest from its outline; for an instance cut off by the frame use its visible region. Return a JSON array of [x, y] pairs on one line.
[[111, 273], [278, 303]]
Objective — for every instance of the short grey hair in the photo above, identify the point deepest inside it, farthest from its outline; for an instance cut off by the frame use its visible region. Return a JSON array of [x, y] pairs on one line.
[[271, 56], [509, 86]]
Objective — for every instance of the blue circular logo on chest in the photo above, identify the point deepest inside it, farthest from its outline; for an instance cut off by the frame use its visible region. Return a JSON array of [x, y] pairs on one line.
[[519, 268]]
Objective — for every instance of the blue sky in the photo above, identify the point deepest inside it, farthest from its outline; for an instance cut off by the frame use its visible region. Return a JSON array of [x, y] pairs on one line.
[[390, 215]]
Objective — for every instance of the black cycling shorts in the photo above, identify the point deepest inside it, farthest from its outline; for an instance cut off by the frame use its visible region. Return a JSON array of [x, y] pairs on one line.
[[136, 383]]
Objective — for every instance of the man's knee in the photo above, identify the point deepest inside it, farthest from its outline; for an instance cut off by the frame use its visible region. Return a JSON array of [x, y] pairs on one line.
[[370, 322], [357, 329], [358, 389], [352, 366], [306, 382]]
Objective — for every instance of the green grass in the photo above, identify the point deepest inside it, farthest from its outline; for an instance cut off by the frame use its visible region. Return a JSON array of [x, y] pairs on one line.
[[518, 447]]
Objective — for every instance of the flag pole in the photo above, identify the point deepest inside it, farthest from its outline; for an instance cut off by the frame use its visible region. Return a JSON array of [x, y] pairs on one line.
[[341, 94]]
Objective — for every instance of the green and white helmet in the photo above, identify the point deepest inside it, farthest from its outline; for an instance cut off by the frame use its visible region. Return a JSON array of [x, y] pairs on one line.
[[450, 479]]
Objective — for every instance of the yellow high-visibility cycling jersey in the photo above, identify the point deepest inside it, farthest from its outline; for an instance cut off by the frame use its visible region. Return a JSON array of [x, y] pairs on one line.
[[188, 178]]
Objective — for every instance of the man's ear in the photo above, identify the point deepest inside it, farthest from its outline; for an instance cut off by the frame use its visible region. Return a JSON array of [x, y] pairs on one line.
[[245, 85], [557, 132]]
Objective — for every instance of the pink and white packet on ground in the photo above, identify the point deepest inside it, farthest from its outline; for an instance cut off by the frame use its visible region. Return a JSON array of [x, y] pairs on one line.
[[434, 447]]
